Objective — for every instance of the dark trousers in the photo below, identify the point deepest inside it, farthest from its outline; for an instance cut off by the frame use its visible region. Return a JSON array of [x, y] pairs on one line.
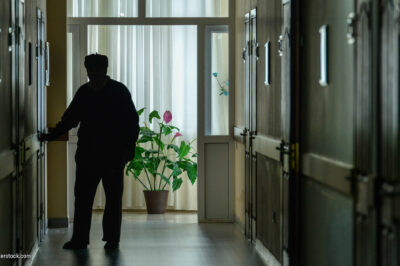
[[88, 176]]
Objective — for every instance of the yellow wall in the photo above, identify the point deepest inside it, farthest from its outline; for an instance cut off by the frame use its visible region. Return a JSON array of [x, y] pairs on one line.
[[242, 7], [56, 105]]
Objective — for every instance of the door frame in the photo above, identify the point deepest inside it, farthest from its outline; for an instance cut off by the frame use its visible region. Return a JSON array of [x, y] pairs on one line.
[[202, 138]]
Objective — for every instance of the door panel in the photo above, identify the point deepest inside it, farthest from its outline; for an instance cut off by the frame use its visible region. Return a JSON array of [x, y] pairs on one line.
[[328, 110], [6, 234], [389, 229], [364, 135], [7, 152], [326, 225], [269, 96], [269, 216], [327, 135], [29, 204], [41, 118]]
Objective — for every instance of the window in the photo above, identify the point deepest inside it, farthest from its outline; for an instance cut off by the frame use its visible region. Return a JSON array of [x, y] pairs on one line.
[[217, 80], [102, 8], [187, 8]]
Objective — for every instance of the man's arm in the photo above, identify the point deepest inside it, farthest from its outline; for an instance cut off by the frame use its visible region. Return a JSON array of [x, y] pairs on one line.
[[70, 119], [132, 120]]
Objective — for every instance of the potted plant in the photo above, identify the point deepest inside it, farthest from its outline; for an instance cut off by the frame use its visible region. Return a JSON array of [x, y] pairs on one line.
[[159, 162]]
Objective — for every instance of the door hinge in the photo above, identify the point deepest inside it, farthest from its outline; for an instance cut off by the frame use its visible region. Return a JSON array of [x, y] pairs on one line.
[[10, 38], [351, 28], [295, 157]]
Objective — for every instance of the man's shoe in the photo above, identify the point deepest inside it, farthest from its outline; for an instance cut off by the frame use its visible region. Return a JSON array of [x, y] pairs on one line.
[[74, 245], [111, 245]]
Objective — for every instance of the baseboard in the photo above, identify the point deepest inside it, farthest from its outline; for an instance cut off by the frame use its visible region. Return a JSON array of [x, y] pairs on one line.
[[239, 224], [266, 255], [58, 222], [34, 251]]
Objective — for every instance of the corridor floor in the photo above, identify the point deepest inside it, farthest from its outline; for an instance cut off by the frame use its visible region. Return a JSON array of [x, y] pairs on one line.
[[170, 239]]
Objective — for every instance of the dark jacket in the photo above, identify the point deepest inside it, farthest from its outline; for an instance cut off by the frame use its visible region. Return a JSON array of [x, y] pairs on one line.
[[108, 124]]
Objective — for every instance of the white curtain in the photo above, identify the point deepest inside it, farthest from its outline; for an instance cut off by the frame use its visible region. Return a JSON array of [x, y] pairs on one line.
[[154, 8]]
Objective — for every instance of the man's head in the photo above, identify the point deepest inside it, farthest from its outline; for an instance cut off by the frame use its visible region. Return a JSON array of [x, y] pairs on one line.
[[96, 66]]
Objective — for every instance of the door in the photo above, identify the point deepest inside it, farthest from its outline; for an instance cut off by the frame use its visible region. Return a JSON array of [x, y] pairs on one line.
[[389, 221], [250, 115], [327, 134], [7, 134], [27, 127], [360, 34], [268, 137], [41, 119]]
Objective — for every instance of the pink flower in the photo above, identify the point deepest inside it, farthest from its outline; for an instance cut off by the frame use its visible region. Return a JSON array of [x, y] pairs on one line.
[[167, 117], [177, 135]]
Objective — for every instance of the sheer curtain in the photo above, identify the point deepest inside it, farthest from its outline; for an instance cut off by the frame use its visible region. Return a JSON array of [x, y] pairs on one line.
[[158, 64]]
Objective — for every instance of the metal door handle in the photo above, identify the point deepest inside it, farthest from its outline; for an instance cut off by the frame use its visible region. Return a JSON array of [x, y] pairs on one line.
[[389, 190], [350, 28]]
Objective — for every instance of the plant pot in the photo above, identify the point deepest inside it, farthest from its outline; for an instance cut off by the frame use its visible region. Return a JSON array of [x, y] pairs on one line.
[[156, 201]]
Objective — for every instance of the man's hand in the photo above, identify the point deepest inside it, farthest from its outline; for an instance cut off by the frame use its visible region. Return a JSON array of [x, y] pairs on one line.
[[43, 137]]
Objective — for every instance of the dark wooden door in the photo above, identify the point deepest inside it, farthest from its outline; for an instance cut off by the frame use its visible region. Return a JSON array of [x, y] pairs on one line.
[[288, 148], [27, 124], [41, 117], [250, 102], [247, 64], [360, 34], [327, 135], [268, 169], [389, 158], [7, 135]]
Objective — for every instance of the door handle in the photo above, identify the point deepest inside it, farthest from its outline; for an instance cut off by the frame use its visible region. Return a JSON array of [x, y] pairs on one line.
[[389, 190], [358, 178]]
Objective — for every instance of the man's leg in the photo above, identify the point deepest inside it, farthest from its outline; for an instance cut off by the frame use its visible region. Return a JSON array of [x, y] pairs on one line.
[[113, 183], [85, 189]]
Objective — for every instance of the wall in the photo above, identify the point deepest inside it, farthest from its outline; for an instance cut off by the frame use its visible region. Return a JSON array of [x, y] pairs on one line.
[[56, 105]]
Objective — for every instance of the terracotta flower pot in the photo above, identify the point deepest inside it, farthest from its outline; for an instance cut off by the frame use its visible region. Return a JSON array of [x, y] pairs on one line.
[[156, 201]]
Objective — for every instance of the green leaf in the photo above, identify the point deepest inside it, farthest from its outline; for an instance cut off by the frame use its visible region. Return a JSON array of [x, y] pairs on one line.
[[173, 146], [144, 139], [152, 165], [167, 130], [159, 142], [148, 152], [135, 167], [141, 111], [138, 152], [184, 165], [195, 155], [183, 149], [192, 173], [154, 114], [176, 171], [176, 184], [173, 127], [163, 177], [147, 132]]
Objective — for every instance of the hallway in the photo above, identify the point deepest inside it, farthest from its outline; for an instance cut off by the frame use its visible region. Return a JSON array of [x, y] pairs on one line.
[[170, 239]]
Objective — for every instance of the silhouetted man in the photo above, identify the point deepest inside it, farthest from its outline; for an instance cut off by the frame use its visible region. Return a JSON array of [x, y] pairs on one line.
[[108, 130]]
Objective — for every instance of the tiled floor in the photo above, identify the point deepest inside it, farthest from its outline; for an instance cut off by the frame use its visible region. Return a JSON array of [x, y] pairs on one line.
[[169, 239]]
